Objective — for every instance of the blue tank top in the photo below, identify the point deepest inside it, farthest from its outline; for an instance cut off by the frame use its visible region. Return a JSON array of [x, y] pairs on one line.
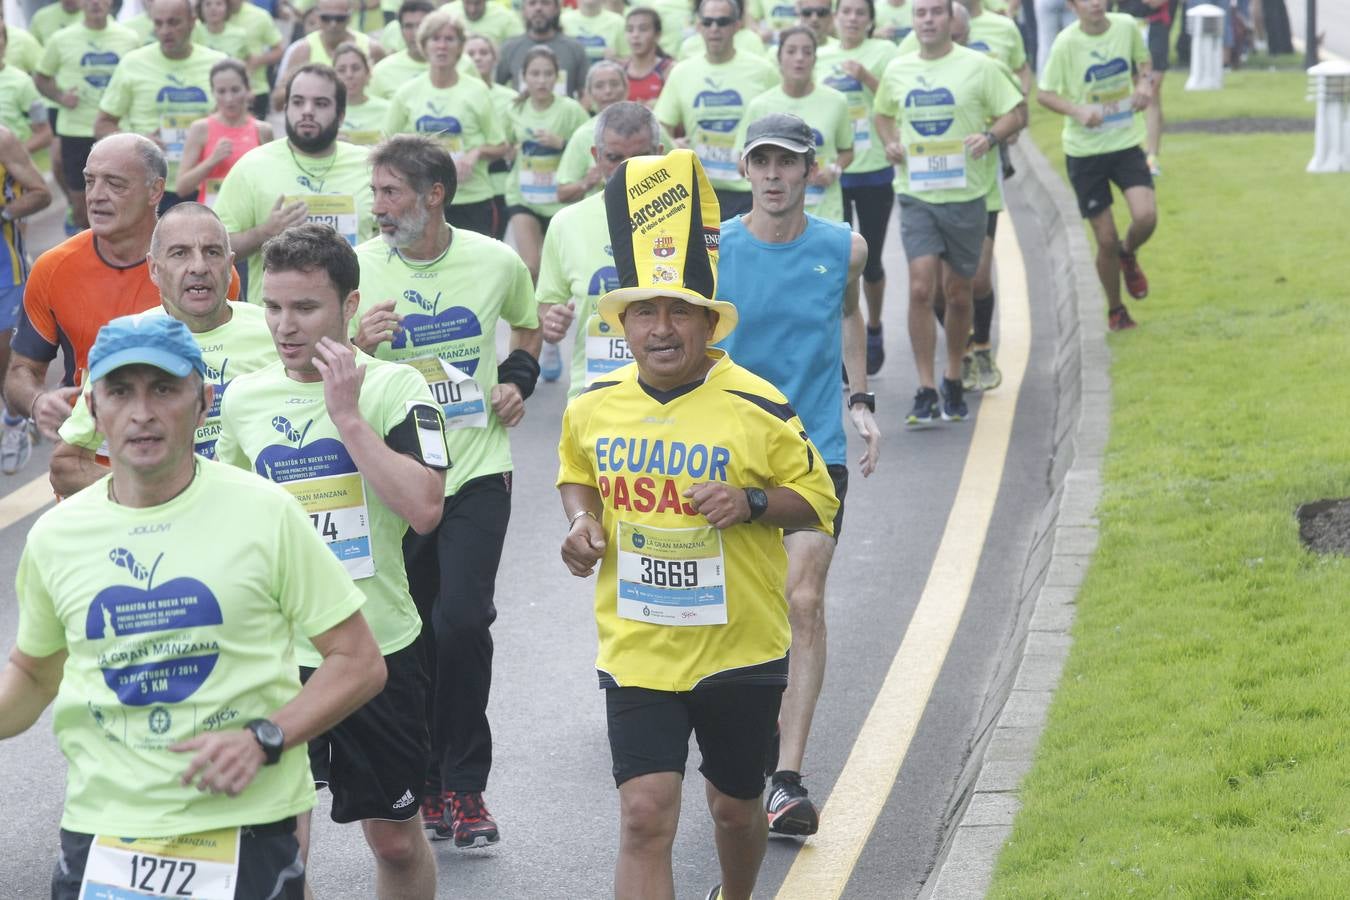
[[13, 262], [790, 302]]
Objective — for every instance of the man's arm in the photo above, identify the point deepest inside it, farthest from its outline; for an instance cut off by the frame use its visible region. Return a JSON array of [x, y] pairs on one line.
[[72, 469], [725, 505], [19, 165], [415, 492], [855, 358], [889, 133], [584, 546], [25, 395], [352, 672], [1087, 116], [106, 123], [282, 216], [508, 398], [28, 684]]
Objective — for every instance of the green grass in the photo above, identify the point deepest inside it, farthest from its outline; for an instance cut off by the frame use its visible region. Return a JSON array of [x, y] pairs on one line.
[[1197, 746]]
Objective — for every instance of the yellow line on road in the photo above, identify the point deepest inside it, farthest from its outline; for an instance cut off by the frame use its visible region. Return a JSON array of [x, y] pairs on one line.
[[22, 502], [825, 863]]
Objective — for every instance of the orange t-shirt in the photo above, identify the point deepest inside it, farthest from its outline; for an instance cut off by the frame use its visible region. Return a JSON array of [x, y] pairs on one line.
[[71, 293]]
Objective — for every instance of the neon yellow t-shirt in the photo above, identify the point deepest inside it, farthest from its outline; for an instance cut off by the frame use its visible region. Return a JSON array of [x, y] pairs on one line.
[[180, 620], [998, 36], [50, 19], [873, 54], [533, 182], [677, 23], [450, 310], [461, 117], [678, 603], [241, 345], [363, 123], [392, 73], [280, 429], [577, 264], [263, 36], [826, 111], [1098, 69], [84, 60], [336, 189], [894, 22], [777, 14], [232, 40], [23, 51], [601, 34], [143, 27], [745, 41], [498, 22], [18, 98], [708, 102], [151, 93], [937, 103]]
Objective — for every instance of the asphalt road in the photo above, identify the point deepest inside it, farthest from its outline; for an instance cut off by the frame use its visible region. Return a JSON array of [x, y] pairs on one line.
[[551, 790], [1333, 22]]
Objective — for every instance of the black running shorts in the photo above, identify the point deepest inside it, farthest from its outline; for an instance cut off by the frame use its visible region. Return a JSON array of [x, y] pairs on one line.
[[375, 760], [1092, 176], [734, 724]]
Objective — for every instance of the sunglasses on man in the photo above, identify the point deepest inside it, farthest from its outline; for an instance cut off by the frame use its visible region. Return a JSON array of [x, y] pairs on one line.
[[717, 21]]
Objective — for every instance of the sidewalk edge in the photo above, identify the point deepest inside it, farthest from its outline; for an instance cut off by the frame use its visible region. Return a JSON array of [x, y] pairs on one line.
[[1061, 547]]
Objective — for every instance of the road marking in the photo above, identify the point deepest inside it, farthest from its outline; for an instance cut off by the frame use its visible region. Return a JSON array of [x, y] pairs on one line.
[[824, 864], [21, 503]]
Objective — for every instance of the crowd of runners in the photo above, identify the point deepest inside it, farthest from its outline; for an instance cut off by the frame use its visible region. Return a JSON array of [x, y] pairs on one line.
[[697, 199]]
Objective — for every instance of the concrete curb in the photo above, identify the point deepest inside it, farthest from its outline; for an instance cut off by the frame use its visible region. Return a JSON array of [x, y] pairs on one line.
[[986, 798]]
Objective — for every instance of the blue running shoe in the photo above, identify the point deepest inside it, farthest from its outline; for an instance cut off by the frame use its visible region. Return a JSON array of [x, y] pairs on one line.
[[876, 351], [550, 362], [954, 407], [925, 411]]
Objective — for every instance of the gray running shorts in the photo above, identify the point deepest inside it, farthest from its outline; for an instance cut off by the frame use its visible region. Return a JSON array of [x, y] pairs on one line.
[[953, 231]]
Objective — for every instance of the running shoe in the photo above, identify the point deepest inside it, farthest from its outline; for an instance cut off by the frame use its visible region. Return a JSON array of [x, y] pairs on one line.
[[433, 810], [876, 350], [925, 411], [1136, 282], [968, 380], [715, 893], [987, 374], [954, 407], [1119, 319], [467, 820], [16, 446], [1154, 167], [790, 810], [550, 362]]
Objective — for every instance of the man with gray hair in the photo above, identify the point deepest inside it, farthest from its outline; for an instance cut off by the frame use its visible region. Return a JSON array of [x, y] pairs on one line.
[[431, 297], [576, 265], [89, 279]]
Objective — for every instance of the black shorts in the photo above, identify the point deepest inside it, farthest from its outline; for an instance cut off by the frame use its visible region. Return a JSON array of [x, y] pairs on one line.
[[870, 206], [51, 120], [74, 154], [733, 204], [269, 863], [482, 217], [838, 475], [734, 724], [1092, 176], [991, 227], [1158, 34], [513, 211], [375, 760]]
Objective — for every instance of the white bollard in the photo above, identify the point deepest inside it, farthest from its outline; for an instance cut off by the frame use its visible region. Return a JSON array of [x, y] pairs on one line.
[[1205, 25], [1329, 88]]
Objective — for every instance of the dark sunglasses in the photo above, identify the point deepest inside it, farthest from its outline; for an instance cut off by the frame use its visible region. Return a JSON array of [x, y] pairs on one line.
[[326, 17], [818, 12], [717, 21]]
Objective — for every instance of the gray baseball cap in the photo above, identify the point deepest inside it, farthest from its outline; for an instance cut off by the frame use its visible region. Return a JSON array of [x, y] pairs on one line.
[[780, 130]]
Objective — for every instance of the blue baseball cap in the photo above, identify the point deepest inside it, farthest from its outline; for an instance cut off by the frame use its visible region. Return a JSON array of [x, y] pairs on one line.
[[151, 340]]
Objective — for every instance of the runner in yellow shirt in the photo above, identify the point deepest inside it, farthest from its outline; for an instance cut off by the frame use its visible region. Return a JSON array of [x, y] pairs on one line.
[[677, 475]]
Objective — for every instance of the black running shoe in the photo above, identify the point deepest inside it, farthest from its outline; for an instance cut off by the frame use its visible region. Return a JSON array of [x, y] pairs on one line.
[[790, 810], [954, 407], [925, 411]]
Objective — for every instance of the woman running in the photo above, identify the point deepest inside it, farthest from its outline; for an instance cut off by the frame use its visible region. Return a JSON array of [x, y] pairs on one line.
[[647, 65], [364, 120], [214, 144]]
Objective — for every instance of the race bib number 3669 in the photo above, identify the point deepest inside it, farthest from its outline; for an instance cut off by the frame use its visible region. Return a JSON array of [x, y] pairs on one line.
[[671, 576]]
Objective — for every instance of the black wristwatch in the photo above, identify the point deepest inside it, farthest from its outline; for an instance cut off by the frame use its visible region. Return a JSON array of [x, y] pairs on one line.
[[991, 138], [270, 738], [759, 502], [866, 398]]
